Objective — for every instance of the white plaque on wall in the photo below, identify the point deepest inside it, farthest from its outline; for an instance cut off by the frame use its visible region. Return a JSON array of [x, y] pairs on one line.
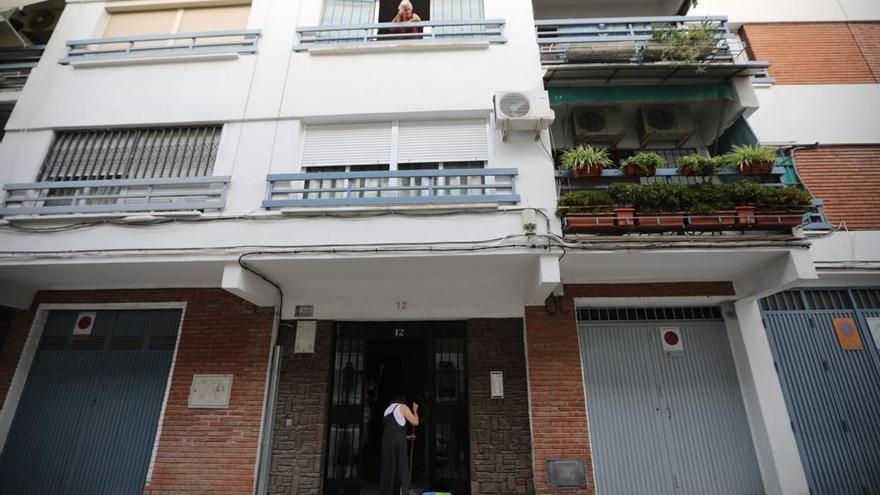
[[496, 384], [210, 391]]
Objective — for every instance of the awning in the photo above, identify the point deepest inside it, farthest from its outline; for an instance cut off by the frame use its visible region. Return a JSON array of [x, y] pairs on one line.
[[618, 94]]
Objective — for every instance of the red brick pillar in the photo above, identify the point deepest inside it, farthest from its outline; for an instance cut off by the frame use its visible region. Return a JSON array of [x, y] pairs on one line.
[[558, 408]]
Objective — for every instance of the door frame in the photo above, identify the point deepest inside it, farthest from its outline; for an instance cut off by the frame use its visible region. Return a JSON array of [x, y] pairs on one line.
[[429, 330], [29, 351]]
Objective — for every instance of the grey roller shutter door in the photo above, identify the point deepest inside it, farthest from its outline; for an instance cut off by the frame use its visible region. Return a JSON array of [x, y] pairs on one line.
[[347, 12], [832, 394], [443, 141], [347, 144], [666, 425], [87, 418]]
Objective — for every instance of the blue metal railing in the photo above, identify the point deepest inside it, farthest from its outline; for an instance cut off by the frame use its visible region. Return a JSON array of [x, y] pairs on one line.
[[622, 39], [115, 196], [161, 45], [398, 187], [389, 33], [16, 64]]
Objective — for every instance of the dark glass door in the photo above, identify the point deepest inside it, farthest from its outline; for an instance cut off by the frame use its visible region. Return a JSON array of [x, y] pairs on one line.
[[425, 362]]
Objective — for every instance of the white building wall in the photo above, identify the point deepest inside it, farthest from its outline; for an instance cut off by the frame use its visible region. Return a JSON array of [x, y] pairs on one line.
[[745, 11]]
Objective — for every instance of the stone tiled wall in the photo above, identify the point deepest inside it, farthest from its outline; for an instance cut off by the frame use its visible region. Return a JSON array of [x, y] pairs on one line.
[[301, 414], [500, 438]]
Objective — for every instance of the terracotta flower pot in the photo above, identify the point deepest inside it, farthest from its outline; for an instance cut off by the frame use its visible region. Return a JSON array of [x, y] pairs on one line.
[[625, 217], [589, 221], [745, 215], [687, 171], [717, 219], [780, 218], [757, 168], [634, 171], [662, 220], [588, 171]]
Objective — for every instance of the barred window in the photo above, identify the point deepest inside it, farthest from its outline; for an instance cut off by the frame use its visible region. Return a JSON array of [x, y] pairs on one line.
[[105, 154]]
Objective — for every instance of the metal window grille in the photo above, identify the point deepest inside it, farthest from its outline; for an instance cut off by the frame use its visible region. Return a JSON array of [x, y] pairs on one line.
[[822, 300], [649, 314], [106, 154]]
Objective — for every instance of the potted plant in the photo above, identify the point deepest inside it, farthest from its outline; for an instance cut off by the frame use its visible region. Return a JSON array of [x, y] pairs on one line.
[[696, 165], [752, 159], [686, 44], [782, 206], [586, 161], [625, 197], [642, 164], [659, 205], [745, 195], [588, 209], [710, 206]]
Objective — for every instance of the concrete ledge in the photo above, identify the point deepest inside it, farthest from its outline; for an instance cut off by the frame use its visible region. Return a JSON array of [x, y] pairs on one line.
[[170, 59], [398, 47]]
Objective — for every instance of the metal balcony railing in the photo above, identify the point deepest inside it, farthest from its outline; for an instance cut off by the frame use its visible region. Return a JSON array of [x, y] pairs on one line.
[[623, 39], [16, 64], [115, 196], [161, 45], [387, 188], [389, 33]]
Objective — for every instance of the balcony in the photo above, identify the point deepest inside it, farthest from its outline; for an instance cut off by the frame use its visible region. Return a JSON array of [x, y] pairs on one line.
[[161, 47], [662, 50], [115, 196], [429, 34], [16, 64], [392, 188]]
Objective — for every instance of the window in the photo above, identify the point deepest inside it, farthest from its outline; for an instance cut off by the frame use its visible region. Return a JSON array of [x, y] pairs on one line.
[[177, 21], [104, 154], [348, 12], [389, 146]]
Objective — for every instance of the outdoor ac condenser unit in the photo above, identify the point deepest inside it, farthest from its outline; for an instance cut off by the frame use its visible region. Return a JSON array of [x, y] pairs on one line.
[[665, 123], [598, 125], [523, 111]]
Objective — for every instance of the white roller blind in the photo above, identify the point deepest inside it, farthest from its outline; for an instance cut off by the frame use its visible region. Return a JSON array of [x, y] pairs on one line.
[[443, 141], [347, 144]]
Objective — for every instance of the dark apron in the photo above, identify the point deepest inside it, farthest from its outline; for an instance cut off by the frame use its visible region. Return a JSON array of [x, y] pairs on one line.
[[395, 467]]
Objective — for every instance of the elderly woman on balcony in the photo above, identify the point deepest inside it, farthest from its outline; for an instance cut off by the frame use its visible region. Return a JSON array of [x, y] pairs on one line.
[[405, 14]]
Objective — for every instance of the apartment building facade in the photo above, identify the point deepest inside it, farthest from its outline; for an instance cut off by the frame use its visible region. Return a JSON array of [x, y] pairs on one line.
[[232, 230]]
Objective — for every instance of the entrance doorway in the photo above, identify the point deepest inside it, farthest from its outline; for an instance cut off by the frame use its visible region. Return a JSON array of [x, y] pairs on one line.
[[425, 362]]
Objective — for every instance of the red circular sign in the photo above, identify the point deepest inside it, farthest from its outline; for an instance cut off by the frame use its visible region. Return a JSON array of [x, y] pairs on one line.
[[671, 338], [84, 322]]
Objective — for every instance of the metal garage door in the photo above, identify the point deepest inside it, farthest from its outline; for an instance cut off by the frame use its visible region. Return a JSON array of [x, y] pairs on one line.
[[832, 393], [665, 423], [88, 415]]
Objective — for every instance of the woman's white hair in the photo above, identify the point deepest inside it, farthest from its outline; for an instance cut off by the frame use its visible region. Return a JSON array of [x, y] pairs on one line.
[[403, 4]]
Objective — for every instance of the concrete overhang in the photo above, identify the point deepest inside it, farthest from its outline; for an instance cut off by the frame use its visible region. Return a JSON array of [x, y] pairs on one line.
[[574, 9], [755, 271], [390, 286]]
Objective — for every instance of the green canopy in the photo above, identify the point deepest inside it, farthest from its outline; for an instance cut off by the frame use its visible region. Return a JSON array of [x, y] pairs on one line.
[[619, 94]]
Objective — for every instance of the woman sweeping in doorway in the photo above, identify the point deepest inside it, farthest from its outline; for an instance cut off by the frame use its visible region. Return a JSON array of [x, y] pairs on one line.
[[394, 478]]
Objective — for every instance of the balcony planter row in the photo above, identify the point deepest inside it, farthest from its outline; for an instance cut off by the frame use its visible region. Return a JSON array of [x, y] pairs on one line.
[[675, 207], [588, 161]]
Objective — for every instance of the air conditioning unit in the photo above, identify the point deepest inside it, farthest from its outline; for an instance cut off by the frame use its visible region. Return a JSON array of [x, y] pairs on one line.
[[523, 111], [598, 125], [665, 123]]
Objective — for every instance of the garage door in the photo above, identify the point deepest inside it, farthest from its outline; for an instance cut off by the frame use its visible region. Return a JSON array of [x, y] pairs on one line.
[[88, 414], [665, 419], [831, 383]]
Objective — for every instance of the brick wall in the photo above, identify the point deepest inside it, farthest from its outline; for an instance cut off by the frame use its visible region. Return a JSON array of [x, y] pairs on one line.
[[200, 450], [867, 35], [500, 443], [847, 178], [815, 53], [304, 385], [10, 349], [560, 426]]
